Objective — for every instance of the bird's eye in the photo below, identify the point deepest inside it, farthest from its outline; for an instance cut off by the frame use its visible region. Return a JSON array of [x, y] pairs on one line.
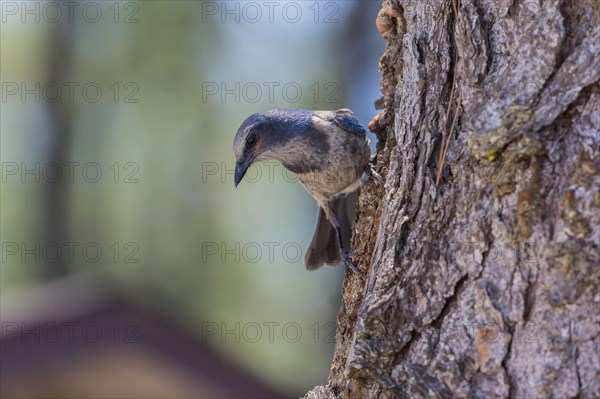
[[250, 141]]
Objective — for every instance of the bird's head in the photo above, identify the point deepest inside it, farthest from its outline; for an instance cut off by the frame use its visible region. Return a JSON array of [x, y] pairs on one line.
[[253, 139], [267, 135]]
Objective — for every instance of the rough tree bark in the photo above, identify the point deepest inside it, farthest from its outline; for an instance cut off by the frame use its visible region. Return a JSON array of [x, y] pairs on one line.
[[485, 284]]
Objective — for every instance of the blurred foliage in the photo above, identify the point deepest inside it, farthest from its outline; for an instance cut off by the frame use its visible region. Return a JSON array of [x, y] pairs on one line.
[[170, 140]]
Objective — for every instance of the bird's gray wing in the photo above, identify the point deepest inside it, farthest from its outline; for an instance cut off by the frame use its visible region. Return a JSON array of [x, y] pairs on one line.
[[345, 119]]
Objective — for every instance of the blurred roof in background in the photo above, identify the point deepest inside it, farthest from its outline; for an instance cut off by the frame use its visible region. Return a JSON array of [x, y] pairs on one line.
[[91, 344]]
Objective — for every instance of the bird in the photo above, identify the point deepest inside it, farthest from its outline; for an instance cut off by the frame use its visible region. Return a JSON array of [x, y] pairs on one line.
[[328, 152]]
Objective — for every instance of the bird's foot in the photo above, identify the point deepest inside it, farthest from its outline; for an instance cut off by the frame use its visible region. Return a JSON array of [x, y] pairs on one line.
[[371, 172], [346, 258]]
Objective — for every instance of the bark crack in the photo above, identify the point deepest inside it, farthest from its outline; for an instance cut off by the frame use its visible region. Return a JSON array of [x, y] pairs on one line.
[[512, 386], [576, 357], [436, 323], [458, 288], [486, 33], [530, 297]]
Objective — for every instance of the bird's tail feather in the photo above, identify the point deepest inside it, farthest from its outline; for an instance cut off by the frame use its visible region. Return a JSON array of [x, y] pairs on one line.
[[324, 247]]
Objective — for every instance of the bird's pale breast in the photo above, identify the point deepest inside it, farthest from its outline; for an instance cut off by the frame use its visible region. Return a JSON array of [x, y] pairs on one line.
[[343, 167]]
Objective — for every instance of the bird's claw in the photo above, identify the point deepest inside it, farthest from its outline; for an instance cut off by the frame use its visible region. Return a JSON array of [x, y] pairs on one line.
[[346, 258], [351, 253]]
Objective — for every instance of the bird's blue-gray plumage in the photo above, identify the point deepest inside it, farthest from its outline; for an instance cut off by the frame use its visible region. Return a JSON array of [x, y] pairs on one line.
[[328, 151], [348, 122]]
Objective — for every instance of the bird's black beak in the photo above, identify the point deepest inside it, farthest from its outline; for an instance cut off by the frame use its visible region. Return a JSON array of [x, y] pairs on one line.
[[240, 169]]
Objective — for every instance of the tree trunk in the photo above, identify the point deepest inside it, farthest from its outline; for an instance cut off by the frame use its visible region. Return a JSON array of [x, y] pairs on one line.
[[486, 283], [60, 132]]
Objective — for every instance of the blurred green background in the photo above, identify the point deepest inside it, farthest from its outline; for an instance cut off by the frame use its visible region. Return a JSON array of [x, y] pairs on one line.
[[117, 121]]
